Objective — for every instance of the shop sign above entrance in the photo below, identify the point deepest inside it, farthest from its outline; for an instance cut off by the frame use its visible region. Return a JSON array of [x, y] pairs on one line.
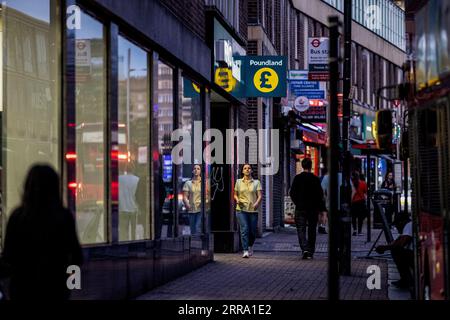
[[265, 76]]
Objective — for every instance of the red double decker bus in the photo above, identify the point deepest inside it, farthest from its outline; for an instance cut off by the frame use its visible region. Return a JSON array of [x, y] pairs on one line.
[[428, 25]]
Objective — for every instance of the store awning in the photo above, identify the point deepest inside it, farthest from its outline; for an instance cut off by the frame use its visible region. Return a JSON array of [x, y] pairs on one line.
[[388, 157]]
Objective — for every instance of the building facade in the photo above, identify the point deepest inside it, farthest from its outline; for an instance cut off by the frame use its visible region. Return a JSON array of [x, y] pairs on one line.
[[98, 88]]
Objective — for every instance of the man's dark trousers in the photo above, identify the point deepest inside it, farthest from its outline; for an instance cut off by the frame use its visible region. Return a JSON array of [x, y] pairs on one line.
[[404, 259], [303, 220]]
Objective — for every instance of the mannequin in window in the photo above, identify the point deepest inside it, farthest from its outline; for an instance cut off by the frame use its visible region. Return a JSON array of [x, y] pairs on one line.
[[128, 206]]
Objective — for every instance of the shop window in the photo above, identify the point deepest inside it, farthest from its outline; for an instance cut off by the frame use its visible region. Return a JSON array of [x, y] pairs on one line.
[[164, 191], [189, 173], [90, 124], [134, 166], [30, 72]]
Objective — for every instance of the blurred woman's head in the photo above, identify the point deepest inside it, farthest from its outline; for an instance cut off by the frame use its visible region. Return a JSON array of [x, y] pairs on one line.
[[389, 176], [355, 178], [41, 189]]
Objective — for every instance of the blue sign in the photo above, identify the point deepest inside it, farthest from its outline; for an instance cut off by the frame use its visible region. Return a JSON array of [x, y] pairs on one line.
[[309, 89], [167, 167], [304, 85], [265, 76], [310, 94]]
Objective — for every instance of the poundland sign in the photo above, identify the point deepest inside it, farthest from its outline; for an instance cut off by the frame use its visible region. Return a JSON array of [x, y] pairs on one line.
[[265, 76]]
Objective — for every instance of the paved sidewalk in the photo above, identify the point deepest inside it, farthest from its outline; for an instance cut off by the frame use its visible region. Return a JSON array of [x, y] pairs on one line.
[[276, 272]]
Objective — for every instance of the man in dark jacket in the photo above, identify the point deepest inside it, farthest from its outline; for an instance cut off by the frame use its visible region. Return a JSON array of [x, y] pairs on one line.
[[307, 195]]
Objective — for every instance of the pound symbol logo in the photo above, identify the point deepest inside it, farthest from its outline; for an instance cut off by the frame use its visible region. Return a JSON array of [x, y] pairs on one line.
[[265, 80]]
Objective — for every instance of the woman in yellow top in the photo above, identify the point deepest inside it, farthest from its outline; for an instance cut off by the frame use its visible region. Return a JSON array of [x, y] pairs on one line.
[[248, 196], [192, 198]]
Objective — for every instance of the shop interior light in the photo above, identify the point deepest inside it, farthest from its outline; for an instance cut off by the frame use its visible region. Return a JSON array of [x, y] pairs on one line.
[[316, 103], [73, 185], [71, 156]]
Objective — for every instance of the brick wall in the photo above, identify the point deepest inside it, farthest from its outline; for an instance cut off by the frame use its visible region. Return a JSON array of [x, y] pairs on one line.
[[254, 11], [277, 26], [301, 40], [243, 18], [359, 71], [278, 192], [191, 13], [268, 15], [292, 31]]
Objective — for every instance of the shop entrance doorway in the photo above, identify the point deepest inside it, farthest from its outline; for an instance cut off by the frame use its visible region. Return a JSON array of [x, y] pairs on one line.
[[226, 238]]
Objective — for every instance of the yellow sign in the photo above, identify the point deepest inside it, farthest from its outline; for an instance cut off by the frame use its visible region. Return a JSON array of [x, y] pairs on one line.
[[196, 87], [224, 78], [374, 131], [266, 80]]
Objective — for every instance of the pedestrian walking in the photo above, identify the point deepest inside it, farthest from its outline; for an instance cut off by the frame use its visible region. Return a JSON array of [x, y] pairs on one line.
[[248, 196], [307, 195], [389, 182], [324, 184], [40, 240], [192, 198], [358, 207]]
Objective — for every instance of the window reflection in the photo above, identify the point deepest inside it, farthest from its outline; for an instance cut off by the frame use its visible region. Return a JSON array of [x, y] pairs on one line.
[[134, 208], [190, 172], [90, 90], [163, 122], [30, 109]]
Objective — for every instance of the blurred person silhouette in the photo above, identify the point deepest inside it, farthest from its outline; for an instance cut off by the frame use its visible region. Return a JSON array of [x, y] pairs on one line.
[[307, 194], [160, 200], [402, 250], [192, 198], [389, 182], [324, 180], [358, 207], [323, 217], [248, 196], [41, 240]]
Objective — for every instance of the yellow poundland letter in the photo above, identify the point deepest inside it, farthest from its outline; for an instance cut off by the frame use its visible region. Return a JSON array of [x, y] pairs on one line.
[[224, 78]]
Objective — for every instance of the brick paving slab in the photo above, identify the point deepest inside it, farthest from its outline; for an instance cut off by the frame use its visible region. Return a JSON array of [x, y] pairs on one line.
[[275, 272]]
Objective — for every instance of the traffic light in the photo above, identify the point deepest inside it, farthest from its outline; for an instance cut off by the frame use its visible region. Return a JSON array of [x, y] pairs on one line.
[[383, 135]]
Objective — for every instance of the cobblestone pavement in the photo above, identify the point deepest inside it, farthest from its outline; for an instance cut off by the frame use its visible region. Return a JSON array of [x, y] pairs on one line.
[[276, 272]]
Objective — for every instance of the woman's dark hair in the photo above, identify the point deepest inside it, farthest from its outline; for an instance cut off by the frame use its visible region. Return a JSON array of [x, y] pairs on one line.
[[41, 194], [355, 179], [387, 174]]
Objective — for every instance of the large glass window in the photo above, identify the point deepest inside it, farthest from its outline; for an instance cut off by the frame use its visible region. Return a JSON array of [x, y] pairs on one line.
[[30, 106], [90, 124], [134, 167], [189, 177], [163, 182]]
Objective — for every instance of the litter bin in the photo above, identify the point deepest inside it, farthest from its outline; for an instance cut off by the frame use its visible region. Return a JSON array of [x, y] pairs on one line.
[[385, 199]]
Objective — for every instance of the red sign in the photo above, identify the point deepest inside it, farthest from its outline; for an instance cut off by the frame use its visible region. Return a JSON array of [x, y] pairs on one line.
[[318, 76], [315, 43]]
